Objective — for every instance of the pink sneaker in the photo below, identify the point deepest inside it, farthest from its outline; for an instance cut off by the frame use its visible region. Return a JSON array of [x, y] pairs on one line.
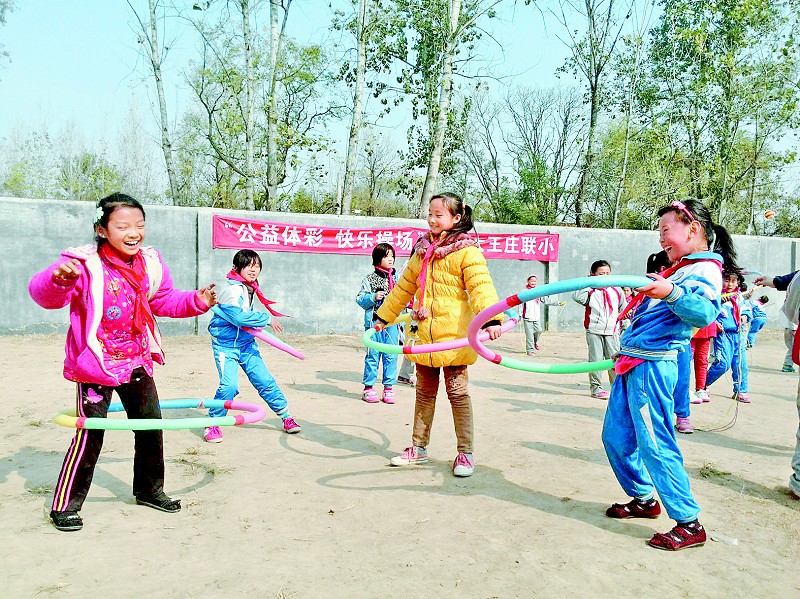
[[410, 455], [370, 396], [212, 434], [741, 397], [682, 425], [290, 426], [388, 395], [463, 465], [600, 394]]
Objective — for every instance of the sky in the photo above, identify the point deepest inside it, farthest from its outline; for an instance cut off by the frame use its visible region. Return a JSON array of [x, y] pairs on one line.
[[77, 63]]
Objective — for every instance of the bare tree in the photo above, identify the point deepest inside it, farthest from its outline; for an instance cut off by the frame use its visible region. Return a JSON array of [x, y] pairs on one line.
[[155, 55]]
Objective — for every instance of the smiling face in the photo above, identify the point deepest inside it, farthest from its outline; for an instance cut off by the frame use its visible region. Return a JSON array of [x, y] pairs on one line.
[[532, 282], [125, 231], [251, 271], [678, 238], [440, 218]]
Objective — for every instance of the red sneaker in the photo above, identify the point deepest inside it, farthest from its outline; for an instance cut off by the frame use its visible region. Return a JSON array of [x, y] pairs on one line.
[[635, 509], [680, 537]]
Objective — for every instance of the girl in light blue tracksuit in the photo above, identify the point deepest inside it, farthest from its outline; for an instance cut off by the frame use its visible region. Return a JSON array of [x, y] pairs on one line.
[[638, 434], [234, 348], [729, 353]]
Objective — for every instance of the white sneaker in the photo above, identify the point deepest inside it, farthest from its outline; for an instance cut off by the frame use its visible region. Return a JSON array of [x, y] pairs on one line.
[[702, 395], [695, 397]]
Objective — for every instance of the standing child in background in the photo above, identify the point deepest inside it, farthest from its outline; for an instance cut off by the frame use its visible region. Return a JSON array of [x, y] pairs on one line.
[[234, 348], [759, 318], [407, 336], [781, 283], [637, 431], [602, 309], [374, 289], [448, 275], [532, 317], [114, 289], [728, 351]]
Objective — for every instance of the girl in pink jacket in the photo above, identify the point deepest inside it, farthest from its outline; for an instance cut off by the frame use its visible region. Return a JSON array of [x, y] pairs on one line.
[[114, 289]]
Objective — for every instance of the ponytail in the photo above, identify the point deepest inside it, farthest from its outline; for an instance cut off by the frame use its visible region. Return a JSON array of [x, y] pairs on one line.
[[723, 245]]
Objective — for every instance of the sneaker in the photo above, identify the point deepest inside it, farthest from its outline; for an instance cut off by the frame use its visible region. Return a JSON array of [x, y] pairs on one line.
[[463, 465], [401, 380], [410, 455], [600, 394], [290, 426], [682, 536], [388, 395], [531, 353], [741, 397], [66, 521], [682, 425], [212, 434], [695, 398], [703, 395], [370, 396], [635, 509], [788, 368]]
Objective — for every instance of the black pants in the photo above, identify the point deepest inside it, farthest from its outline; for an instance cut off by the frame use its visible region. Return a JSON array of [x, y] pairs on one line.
[[140, 399]]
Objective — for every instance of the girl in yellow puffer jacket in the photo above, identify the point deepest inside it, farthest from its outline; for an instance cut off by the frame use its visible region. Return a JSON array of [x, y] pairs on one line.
[[450, 283]]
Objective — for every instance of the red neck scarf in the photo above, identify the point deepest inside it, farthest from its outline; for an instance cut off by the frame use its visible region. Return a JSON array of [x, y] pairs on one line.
[[235, 276], [423, 275], [640, 297], [135, 274], [389, 275]]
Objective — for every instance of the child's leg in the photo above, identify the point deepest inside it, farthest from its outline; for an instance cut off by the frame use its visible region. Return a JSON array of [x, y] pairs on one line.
[[700, 357], [406, 369], [427, 387], [140, 399], [682, 385], [78, 468], [371, 367], [263, 381], [619, 440], [537, 333], [650, 390], [739, 366], [530, 342], [610, 349], [755, 327], [595, 344], [794, 480], [227, 360], [389, 360], [456, 384], [788, 339], [723, 354]]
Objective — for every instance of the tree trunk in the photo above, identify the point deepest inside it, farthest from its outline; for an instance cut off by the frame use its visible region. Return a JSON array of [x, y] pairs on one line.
[[445, 96], [276, 37], [358, 104], [250, 105], [154, 56], [587, 161]]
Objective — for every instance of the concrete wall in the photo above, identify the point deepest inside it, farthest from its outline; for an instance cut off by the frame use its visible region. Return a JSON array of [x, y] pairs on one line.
[[318, 290]]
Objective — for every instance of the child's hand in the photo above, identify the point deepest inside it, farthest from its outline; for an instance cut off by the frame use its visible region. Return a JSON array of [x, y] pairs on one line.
[[67, 271], [276, 326], [208, 295], [379, 295], [494, 331], [658, 289]]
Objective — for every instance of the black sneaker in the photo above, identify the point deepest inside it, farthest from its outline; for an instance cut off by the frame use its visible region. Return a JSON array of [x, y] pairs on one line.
[[66, 521], [160, 502]]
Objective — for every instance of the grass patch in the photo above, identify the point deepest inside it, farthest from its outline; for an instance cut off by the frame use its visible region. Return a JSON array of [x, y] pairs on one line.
[[710, 470]]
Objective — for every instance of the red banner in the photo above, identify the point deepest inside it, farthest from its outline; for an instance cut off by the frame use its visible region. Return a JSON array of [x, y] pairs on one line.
[[238, 233]]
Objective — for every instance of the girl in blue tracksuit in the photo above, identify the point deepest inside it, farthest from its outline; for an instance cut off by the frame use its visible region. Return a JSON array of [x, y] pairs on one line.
[[759, 319], [728, 351], [234, 348], [637, 432], [374, 288]]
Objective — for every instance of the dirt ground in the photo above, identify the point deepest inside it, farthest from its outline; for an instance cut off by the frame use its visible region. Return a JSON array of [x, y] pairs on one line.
[[321, 514]]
